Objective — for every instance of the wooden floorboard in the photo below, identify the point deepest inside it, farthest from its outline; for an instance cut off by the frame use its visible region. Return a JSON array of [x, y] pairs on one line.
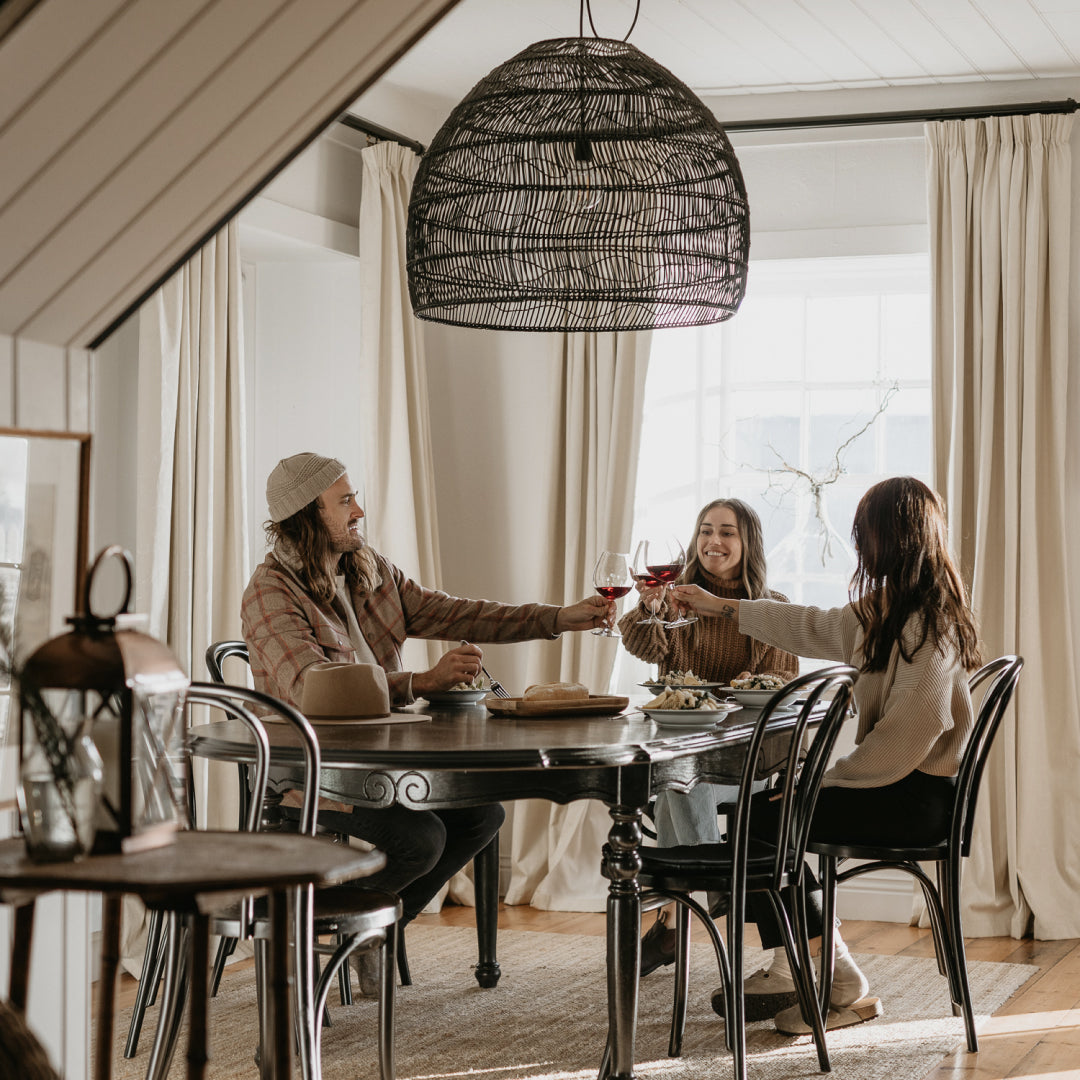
[[1034, 1034]]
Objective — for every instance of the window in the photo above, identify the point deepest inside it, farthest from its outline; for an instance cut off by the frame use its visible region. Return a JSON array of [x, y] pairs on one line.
[[742, 408]]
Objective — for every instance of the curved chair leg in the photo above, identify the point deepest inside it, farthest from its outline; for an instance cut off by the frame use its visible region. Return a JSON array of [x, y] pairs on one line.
[[174, 994], [387, 973], [803, 970], [147, 982], [957, 951], [344, 982], [402, 960], [682, 980], [226, 947]]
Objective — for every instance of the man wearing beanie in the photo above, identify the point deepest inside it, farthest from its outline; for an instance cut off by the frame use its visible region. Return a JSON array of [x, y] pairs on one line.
[[322, 594]]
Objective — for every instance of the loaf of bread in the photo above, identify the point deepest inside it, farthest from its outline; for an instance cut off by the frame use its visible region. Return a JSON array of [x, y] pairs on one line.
[[560, 691]]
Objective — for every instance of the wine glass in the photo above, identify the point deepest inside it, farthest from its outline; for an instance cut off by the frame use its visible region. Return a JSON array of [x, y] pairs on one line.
[[643, 575], [665, 560], [611, 578]]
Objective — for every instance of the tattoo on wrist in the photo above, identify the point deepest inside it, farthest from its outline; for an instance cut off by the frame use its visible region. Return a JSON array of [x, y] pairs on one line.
[[728, 611]]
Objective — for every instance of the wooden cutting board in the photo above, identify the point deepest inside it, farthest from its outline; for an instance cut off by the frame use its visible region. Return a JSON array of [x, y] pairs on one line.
[[596, 704]]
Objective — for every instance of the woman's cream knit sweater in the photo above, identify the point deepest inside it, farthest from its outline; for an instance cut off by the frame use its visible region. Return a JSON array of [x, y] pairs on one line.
[[911, 716]]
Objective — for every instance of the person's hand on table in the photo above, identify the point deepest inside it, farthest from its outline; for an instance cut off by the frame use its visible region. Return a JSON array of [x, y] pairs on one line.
[[461, 664], [586, 614], [695, 598]]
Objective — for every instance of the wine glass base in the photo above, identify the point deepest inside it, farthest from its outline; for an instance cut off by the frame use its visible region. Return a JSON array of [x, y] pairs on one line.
[[675, 624], [606, 633], [651, 621]]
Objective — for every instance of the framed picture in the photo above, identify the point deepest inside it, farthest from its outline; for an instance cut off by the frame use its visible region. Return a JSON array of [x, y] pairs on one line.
[[44, 538]]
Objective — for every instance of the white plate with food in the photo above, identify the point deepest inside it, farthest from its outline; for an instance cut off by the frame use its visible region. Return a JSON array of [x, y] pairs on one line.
[[656, 687], [750, 698], [688, 718], [471, 696]]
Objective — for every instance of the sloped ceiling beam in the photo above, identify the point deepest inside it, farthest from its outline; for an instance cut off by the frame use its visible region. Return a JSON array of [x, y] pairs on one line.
[[131, 129]]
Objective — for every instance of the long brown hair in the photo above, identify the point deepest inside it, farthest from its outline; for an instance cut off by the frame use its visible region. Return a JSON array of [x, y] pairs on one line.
[[310, 539], [904, 570], [752, 572]]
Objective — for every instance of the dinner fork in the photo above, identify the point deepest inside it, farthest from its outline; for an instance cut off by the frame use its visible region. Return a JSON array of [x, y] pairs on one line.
[[494, 685]]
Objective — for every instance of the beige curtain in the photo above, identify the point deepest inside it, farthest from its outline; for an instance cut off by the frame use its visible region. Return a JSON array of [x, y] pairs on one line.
[[191, 559], [400, 492], [554, 849], [999, 195]]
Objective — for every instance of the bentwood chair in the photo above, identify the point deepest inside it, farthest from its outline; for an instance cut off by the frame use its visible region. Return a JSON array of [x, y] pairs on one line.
[[743, 863], [216, 655], [360, 918], [942, 898]]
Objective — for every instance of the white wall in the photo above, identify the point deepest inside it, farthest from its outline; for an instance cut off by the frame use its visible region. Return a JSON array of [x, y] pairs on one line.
[[305, 386]]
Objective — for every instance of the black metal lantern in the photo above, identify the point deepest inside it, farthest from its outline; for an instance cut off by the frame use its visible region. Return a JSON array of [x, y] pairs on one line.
[[579, 186], [126, 691]]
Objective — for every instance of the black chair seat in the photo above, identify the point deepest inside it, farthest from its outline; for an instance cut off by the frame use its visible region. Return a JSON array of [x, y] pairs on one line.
[[697, 866], [340, 910], [927, 853]]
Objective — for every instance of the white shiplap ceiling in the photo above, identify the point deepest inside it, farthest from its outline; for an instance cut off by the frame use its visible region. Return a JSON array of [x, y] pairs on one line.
[[740, 47]]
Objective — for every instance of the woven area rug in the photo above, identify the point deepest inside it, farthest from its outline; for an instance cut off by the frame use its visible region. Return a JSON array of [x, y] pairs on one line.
[[546, 1020]]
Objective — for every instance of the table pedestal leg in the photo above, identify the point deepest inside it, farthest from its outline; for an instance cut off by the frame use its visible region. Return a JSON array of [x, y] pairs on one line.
[[622, 861], [110, 960], [486, 874], [20, 956], [199, 968]]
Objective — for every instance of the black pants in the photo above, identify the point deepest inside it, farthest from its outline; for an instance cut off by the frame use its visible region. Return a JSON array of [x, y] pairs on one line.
[[424, 848], [912, 811]]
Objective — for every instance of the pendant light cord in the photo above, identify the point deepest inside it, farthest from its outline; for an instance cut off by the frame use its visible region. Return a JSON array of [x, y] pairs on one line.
[[586, 5]]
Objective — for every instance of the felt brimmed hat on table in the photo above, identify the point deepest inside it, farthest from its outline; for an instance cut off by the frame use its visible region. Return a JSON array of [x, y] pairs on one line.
[[350, 694]]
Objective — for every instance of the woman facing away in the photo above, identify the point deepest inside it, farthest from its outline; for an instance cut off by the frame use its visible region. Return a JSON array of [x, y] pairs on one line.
[[726, 560], [910, 632]]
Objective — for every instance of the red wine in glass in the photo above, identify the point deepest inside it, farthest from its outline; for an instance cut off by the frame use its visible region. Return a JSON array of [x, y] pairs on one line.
[[611, 579], [664, 573], [612, 592]]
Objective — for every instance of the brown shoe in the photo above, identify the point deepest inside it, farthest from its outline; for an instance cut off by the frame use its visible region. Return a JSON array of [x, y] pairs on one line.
[[657, 947]]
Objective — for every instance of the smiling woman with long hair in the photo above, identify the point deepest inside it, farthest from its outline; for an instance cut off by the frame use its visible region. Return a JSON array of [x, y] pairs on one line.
[[725, 557], [910, 632]]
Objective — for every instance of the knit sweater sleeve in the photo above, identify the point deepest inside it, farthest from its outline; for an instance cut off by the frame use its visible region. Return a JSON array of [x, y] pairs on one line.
[[646, 641], [806, 631]]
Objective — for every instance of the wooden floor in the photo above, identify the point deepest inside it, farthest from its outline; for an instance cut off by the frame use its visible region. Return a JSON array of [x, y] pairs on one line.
[[1034, 1034]]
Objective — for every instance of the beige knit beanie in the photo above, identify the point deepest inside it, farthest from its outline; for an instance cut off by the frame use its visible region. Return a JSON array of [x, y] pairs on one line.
[[297, 480]]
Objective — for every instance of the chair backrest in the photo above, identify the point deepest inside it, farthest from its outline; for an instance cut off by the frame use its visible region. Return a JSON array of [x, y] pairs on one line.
[[822, 698], [231, 700], [1003, 674], [219, 652]]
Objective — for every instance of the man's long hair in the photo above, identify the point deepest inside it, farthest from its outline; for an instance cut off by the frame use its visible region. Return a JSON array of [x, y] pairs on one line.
[[309, 538], [904, 570]]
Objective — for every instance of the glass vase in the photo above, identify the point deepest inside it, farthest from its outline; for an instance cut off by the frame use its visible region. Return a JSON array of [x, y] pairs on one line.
[[59, 786]]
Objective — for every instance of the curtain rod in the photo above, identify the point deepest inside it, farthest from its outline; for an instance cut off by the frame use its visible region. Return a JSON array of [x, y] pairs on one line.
[[376, 131], [968, 113]]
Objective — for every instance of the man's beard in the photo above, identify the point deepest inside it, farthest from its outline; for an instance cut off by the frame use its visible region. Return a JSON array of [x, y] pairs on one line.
[[347, 540]]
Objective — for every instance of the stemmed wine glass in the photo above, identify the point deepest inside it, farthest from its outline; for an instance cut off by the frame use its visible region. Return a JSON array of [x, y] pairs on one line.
[[664, 562], [611, 579], [643, 575]]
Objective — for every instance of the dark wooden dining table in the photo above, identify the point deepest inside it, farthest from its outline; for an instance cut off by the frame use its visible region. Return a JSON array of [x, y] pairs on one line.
[[468, 756]]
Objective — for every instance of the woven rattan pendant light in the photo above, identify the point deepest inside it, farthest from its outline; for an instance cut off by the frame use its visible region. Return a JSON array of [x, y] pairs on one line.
[[579, 186]]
